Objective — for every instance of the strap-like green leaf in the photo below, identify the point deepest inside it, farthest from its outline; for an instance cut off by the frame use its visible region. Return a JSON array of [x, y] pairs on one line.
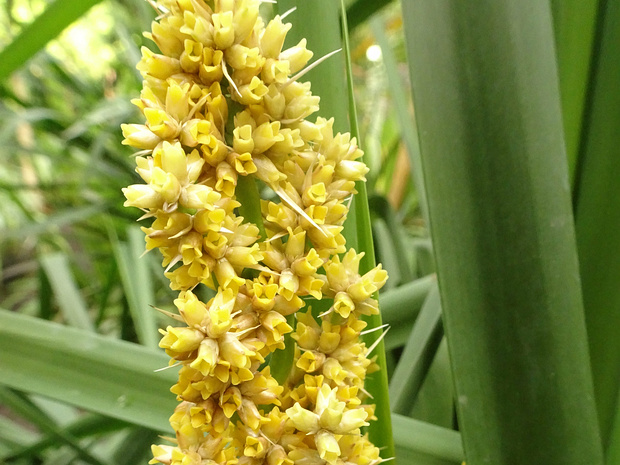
[[43, 29], [488, 110], [101, 374]]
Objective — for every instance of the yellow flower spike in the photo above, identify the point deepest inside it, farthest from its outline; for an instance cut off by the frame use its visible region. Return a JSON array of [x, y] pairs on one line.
[[308, 264], [242, 163], [332, 369], [191, 57], [226, 179], [230, 401], [196, 131], [197, 196], [240, 57], [210, 70], [273, 36], [191, 196], [298, 56], [327, 446], [329, 340], [180, 340], [310, 361], [223, 29], [253, 92], [157, 66], [161, 123], [304, 420], [142, 196], [255, 447], [139, 136], [343, 304]]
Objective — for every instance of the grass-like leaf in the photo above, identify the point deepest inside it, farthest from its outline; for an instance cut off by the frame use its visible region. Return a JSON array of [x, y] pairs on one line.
[[86, 425], [575, 23], [25, 409], [416, 436], [66, 291], [597, 222], [403, 303], [400, 101], [104, 375], [138, 285], [487, 104], [50, 23], [417, 355]]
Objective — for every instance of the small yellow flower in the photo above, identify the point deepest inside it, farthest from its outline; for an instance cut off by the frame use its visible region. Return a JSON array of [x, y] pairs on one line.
[[219, 56]]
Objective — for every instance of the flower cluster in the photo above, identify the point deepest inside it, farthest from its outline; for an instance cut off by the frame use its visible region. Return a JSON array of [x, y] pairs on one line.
[[223, 106]]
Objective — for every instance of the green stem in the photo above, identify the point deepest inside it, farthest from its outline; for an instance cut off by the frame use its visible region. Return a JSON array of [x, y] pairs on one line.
[[249, 198], [380, 431], [281, 361]]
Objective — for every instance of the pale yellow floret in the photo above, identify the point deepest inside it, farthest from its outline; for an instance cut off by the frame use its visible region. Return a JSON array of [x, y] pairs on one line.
[[219, 56]]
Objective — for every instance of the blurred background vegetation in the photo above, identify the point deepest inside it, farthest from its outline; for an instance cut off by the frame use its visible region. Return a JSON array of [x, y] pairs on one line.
[[77, 331], [70, 250]]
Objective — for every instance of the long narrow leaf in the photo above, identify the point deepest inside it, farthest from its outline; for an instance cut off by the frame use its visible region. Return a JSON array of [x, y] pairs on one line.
[[574, 27], [417, 355], [360, 10], [487, 104], [116, 378], [404, 303], [30, 413], [137, 283], [104, 375], [416, 436], [380, 431], [400, 101], [50, 23], [597, 204], [84, 426], [66, 292]]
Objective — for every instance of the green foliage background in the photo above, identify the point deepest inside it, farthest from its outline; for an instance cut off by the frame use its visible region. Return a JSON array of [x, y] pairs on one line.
[[78, 335]]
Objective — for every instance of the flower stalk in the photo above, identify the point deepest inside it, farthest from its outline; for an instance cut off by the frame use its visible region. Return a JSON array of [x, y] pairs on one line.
[[263, 377]]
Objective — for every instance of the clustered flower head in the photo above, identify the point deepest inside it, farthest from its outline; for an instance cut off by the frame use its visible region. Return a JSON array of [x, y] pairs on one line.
[[223, 106]]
